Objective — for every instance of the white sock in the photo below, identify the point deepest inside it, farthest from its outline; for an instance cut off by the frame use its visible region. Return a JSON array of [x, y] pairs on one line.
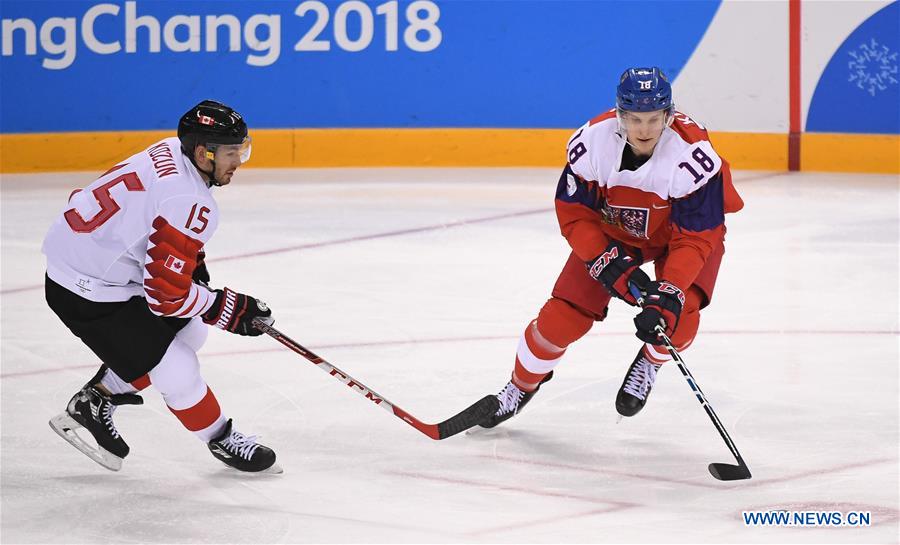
[[116, 385]]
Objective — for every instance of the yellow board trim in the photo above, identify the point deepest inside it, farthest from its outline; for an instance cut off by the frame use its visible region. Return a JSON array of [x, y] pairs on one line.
[[752, 151], [451, 147], [831, 152]]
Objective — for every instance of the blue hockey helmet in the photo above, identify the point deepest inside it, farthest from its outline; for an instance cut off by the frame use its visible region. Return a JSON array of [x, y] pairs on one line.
[[644, 90]]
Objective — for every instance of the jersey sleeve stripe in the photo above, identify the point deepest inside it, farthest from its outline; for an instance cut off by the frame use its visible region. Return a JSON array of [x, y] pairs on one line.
[[171, 259], [701, 210]]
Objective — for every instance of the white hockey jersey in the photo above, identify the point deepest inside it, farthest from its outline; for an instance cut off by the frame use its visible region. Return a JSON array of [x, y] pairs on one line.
[[137, 230], [673, 204], [681, 163]]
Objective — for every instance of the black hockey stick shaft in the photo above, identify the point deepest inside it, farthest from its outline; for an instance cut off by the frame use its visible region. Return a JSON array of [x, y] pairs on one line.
[[469, 417], [723, 472]]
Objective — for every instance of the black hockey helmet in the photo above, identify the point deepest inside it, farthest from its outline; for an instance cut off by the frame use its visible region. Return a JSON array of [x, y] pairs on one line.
[[213, 124], [219, 129]]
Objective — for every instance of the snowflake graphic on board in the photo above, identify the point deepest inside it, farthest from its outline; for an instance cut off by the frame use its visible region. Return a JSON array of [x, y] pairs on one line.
[[874, 67]]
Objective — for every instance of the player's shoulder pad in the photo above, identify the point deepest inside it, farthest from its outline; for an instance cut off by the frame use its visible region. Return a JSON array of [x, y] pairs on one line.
[[688, 129], [694, 167], [588, 139], [196, 215], [165, 160], [608, 114]]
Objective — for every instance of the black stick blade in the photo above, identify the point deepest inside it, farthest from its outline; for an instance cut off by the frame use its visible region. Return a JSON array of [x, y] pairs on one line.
[[471, 416], [729, 472]]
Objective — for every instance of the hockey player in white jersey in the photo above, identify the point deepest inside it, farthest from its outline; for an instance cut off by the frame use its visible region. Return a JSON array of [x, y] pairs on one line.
[[125, 273]]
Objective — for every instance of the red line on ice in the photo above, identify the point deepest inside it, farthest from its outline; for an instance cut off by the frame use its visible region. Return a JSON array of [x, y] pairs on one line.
[[548, 520], [436, 340], [755, 482], [512, 488], [347, 240]]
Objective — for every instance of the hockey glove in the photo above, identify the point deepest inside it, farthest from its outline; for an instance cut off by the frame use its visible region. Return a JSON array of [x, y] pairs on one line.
[[201, 273], [662, 306], [234, 312], [615, 268]]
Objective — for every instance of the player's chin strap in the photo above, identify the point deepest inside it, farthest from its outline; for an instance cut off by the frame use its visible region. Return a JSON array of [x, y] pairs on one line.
[[670, 118], [211, 174]]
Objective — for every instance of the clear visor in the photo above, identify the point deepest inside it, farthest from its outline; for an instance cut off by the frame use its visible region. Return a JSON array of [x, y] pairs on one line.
[[653, 120], [230, 153]]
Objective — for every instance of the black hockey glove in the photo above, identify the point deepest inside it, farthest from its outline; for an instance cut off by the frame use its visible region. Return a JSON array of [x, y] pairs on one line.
[[234, 312], [201, 273], [615, 268], [662, 305]]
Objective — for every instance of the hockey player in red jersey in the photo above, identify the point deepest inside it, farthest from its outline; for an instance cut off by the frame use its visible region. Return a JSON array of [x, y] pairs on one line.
[[125, 273], [642, 184]]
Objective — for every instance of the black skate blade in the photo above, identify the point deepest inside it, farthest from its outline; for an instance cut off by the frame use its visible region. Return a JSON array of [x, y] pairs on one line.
[[469, 417], [274, 469], [729, 472]]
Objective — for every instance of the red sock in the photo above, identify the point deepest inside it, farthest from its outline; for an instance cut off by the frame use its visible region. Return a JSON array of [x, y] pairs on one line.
[[204, 418], [657, 355], [141, 382], [535, 358], [545, 341]]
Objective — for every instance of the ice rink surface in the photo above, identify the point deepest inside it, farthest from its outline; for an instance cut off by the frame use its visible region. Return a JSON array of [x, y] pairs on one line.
[[419, 282]]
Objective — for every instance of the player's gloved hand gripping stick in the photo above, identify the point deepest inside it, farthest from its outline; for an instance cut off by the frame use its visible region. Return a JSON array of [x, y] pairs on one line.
[[469, 417], [723, 472]]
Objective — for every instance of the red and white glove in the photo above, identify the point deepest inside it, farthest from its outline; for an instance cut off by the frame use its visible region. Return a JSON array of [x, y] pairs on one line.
[[234, 312]]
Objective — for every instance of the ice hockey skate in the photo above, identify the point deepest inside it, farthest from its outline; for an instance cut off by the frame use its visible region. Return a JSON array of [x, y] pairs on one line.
[[512, 401], [93, 410], [242, 452], [636, 388]]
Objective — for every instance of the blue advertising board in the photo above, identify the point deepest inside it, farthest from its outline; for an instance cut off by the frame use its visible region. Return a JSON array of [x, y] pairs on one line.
[[101, 66]]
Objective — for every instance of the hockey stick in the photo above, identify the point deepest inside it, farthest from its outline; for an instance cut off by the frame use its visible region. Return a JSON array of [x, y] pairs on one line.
[[469, 417], [723, 472]]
